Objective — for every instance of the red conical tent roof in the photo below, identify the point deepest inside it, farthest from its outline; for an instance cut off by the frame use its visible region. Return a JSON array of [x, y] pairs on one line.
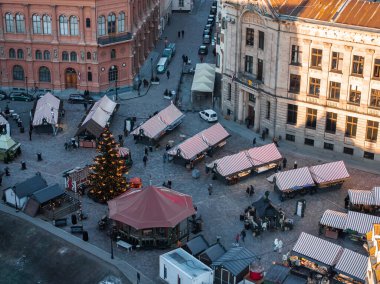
[[151, 207]]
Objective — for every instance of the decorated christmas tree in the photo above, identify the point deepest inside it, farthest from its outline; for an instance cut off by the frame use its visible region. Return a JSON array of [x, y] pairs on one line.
[[107, 180]]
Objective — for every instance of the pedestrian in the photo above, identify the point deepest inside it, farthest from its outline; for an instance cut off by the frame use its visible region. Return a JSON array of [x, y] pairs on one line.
[[201, 58], [167, 147], [165, 157], [7, 173], [1, 178], [284, 161], [169, 184], [252, 190], [263, 135], [120, 137], [183, 33], [179, 34], [346, 202], [166, 41], [247, 190], [254, 141], [275, 141], [85, 106], [237, 238], [210, 189], [30, 134], [168, 74], [295, 165], [183, 58], [145, 159], [243, 235], [186, 59], [146, 151]]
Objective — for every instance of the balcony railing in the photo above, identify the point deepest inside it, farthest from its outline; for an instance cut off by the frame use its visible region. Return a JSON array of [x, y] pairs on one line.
[[248, 80], [114, 39]]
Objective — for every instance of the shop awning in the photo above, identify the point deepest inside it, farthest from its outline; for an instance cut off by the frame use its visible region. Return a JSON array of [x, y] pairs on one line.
[[361, 197], [318, 249], [334, 219], [264, 155], [330, 172], [361, 223], [123, 152], [46, 109], [232, 164], [200, 142], [294, 179], [353, 264], [164, 120]]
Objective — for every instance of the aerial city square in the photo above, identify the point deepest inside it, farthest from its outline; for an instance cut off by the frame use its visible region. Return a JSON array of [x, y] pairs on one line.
[[190, 141]]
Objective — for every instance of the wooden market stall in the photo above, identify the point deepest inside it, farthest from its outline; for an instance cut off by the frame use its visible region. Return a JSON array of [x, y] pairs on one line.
[[366, 201], [351, 268], [329, 175], [332, 224]]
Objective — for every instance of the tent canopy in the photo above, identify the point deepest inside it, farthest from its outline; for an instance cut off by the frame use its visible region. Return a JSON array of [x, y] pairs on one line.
[[329, 172], [151, 207], [47, 108], [204, 78]]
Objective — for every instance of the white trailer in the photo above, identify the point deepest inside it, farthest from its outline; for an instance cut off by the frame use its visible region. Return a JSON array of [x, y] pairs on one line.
[[178, 266]]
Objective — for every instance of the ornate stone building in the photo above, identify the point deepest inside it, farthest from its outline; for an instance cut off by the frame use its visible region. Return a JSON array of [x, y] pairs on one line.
[[82, 44], [308, 74]]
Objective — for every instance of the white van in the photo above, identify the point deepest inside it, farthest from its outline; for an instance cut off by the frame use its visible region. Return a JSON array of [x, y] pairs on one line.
[[162, 65]]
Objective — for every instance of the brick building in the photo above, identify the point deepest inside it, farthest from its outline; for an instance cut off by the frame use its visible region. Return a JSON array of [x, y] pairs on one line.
[[82, 44], [308, 73]]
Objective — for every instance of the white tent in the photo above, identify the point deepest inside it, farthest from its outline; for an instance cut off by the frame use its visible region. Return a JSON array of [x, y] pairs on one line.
[[204, 79], [46, 112]]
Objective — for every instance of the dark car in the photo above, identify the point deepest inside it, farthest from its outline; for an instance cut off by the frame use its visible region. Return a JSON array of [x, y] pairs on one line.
[[206, 39], [41, 92], [211, 19], [208, 27], [80, 99], [213, 10], [20, 96], [203, 50], [3, 95], [206, 32]]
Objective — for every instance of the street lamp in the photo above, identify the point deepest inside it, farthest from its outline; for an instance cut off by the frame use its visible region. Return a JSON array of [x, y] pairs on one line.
[[111, 244], [116, 88], [151, 68], [26, 84]]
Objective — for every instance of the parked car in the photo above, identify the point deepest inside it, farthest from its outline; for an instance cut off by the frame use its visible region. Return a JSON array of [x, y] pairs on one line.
[[203, 50], [206, 39], [213, 10], [80, 99], [206, 32], [172, 47], [168, 53], [41, 92], [162, 65], [208, 27], [210, 21], [208, 115], [3, 95], [20, 96]]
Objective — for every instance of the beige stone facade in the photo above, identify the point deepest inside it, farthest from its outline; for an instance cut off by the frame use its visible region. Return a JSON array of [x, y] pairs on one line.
[[310, 81]]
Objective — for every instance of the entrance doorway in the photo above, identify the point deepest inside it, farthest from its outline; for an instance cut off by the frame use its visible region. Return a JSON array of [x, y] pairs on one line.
[[251, 116], [70, 78]]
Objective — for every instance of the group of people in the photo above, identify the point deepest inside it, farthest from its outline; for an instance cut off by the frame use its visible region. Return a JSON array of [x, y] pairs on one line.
[[181, 33], [250, 190], [185, 59]]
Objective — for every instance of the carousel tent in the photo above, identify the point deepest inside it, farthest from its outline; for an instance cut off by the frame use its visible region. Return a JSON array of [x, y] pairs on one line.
[[294, 179], [167, 119], [151, 207], [353, 264], [204, 79], [201, 142], [329, 173], [98, 117]]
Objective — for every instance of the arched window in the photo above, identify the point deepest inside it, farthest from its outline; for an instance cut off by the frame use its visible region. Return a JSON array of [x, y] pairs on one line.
[[12, 53], [74, 26], [113, 74], [65, 56], [63, 25], [113, 53], [46, 55], [88, 55], [20, 54], [101, 25], [121, 22], [44, 74], [9, 24], [18, 73], [111, 23], [46, 20], [20, 23], [73, 56], [36, 19], [38, 55]]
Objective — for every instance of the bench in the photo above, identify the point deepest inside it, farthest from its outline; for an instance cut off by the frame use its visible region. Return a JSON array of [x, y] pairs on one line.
[[60, 222], [124, 245], [77, 229]]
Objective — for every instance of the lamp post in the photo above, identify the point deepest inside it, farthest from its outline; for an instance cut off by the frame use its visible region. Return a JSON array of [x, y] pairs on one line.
[[116, 88], [151, 69], [111, 244], [26, 84]]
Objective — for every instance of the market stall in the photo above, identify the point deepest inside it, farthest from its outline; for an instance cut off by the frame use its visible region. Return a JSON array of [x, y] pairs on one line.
[[155, 127], [196, 147], [329, 175], [351, 268], [367, 201], [265, 158], [292, 182], [125, 154], [332, 223]]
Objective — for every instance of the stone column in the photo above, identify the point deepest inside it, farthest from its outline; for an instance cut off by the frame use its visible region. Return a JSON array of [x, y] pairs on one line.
[[325, 70], [81, 25], [54, 25], [367, 75], [257, 113], [346, 70], [27, 22], [305, 65]]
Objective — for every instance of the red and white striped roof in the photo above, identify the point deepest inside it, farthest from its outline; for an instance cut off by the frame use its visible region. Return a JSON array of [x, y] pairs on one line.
[[358, 197], [361, 223], [353, 264], [334, 219], [232, 164], [122, 151], [294, 179], [264, 155], [214, 134], [376, 195], [329, 172]]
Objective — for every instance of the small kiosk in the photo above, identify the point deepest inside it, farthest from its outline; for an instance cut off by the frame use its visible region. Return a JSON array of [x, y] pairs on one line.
[[332, 224], [366, 201]]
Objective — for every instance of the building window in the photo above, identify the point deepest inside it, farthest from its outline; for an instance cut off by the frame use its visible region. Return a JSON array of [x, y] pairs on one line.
[[20, 23], [46, 55], [250, 37], [88, 23], [331, 120], [251, 98], [351, 126], [260, 68], [112, 74], [88, 55], [248, 64], [89, 76], [334, 92], [9, 24], [229, 92], [311, 118], [38, 55], [292, 114], [267, 116], [290, 137], [111, 23], [314, 87], [309, 142], [181, 3], [369, 155], [357, 65], [36, 19], [355, 94], [376, 69], [316, 58], [372, 130], [74, 31], [328, 146], [63, 25], [65, 56], [46, 23], [375, 98], [102, 25], [336, 61], [113, 53], [20, 54], [348, 151], [296, 55], [121, 22], [73, 56], [295, 83], [44, 74], [12, 53], [261, 40], [18, 73]]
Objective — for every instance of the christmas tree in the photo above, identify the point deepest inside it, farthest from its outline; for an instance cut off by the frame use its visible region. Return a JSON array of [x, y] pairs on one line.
[[107, 180]]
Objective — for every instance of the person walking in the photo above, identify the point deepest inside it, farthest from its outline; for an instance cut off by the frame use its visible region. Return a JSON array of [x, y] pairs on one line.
[[247, 190], [179, 34], [145, 160], [251, 190], [183, 33], [284, 162], [237, 238], [295, 165], [30, 134], [254, 141], [146, 151], [85, 106], [168, 74], [243, 235], [210, 189], [201, 58], [184, 58], [165, 157]]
